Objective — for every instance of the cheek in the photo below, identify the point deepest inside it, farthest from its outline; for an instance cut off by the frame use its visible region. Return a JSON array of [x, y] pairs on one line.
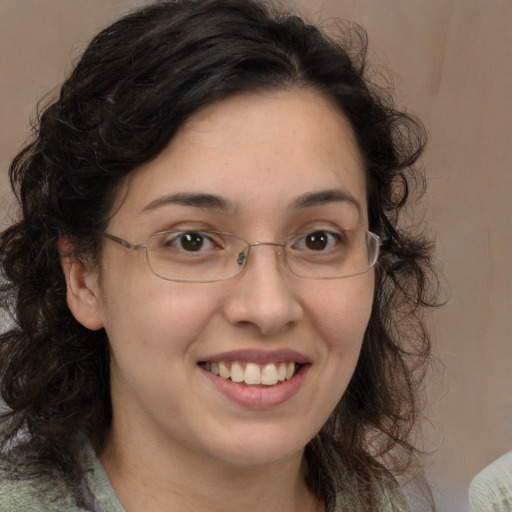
[[156, 313], [154, 338], [341, 310]]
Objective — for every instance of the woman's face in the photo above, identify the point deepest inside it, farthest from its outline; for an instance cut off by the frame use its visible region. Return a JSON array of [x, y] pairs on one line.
[[254, 165]]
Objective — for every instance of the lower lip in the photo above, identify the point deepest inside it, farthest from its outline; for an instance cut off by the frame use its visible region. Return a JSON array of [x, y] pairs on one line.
[[252, 397]]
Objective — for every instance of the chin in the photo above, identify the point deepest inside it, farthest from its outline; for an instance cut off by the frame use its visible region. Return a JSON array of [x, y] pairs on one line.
[[250, 449]]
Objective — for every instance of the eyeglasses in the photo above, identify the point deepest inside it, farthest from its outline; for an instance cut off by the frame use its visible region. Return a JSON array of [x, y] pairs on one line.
[[209, 256]]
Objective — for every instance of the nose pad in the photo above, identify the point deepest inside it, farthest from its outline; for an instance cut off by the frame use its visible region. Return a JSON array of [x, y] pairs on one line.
[[242, 258]]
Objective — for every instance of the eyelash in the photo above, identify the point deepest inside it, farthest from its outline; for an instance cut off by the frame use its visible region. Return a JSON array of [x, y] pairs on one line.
[[201, 241]]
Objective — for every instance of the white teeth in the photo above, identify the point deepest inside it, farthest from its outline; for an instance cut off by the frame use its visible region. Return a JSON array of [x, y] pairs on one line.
[[290, 370], [237, 373], [253, 374], [224, 371], [214, 368], [281, 373], [269, 375]]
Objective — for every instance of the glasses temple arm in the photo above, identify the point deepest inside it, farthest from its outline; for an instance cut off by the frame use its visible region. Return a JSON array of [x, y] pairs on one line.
[[124, 243]]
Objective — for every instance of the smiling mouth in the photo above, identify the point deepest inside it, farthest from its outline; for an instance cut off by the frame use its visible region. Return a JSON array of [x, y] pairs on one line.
[[253, 374]]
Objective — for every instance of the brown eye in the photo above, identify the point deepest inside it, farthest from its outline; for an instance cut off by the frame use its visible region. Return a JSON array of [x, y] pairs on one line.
[[317, 241], [192, 241], [184, 242]]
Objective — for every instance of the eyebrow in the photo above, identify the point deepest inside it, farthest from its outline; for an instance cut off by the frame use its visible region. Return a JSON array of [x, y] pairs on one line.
[[215, 202], [196, 200], [312, 199]]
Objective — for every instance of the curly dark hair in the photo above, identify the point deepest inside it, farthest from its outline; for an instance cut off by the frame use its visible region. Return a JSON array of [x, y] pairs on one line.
[[133, 88]]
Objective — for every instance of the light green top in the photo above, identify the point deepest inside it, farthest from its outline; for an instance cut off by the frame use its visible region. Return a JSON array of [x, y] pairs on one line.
[[491, 489], [31, 488]]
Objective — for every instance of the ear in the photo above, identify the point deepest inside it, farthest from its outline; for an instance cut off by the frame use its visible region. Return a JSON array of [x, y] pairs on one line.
[[82, 287]]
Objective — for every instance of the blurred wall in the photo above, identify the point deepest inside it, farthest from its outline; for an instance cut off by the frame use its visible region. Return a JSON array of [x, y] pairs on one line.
[[451, 62]]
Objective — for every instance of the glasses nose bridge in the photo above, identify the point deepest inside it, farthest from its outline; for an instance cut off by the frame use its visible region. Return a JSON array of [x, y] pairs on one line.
[[258, 244]]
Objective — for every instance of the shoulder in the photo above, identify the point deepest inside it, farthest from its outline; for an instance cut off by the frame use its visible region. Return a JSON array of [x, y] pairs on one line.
[[491, 489], [29, 487]]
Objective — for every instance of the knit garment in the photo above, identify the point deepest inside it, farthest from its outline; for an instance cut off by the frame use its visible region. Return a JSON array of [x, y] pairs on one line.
[[32, 488], [491, 489]]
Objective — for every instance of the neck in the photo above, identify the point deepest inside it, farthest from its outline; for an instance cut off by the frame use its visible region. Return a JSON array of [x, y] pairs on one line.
[[160, 480]]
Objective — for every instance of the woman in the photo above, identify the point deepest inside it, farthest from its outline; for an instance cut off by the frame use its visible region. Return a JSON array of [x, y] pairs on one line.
[[214, 308]]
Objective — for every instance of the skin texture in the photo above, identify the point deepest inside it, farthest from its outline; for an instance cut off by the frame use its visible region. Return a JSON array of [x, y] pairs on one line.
[[177, 442]]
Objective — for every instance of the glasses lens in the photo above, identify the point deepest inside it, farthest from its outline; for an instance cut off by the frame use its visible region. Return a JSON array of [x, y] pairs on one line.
[[332, 254], [196, 256], [207, 256]]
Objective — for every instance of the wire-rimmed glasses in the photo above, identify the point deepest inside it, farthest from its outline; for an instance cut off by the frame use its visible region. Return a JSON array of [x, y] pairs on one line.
[[197, 256]]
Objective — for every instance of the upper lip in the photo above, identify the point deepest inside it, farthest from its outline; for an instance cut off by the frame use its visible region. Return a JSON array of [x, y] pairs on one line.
[[258, 356]]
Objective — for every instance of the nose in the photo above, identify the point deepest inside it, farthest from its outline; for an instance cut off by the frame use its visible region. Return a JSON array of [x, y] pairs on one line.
[[263, 297]]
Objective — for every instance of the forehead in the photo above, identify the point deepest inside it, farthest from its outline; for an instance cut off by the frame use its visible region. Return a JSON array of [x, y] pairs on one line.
[[259, 151]]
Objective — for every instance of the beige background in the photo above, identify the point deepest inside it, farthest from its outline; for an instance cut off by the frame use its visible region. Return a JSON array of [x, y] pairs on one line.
[[452, 67]]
